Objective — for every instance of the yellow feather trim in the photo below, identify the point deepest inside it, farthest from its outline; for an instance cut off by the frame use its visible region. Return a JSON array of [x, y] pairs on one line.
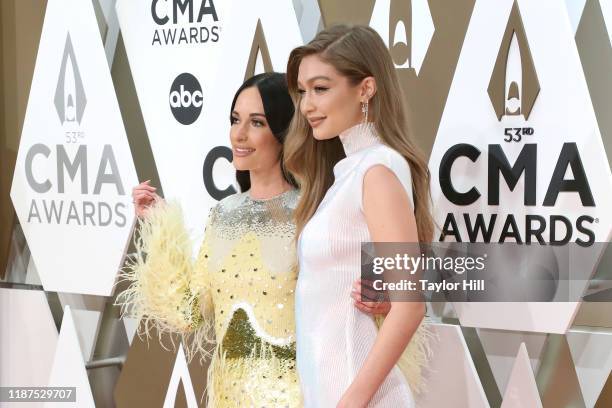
[[161, 293], [416, 355]]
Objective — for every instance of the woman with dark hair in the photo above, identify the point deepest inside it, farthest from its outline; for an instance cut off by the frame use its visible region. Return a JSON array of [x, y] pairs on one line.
[[240, 291]]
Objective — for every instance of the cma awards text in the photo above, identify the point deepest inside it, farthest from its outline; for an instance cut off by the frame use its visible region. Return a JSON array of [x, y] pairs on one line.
[[560, 228], [181, 13], [51, 209]]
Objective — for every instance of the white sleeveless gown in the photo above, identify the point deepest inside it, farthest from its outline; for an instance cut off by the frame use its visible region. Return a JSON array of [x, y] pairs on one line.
[[333, 337]]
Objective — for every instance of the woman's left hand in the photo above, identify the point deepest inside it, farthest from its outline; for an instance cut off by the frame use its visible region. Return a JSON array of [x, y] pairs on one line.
[[363, 290]]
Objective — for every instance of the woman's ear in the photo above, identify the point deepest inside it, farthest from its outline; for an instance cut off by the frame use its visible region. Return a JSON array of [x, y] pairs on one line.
[[368, 88]]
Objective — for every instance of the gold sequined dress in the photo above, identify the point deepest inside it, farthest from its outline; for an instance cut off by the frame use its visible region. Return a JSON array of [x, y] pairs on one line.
[[239, 294]]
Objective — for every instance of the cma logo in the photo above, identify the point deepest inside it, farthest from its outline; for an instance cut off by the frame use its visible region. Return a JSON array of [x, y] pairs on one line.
[[182, 22], [561, 228], [79, 205], [514, 84], [108, 170], [406, 27], [186, 98], [70, 98], [183, 10], [513, 89]]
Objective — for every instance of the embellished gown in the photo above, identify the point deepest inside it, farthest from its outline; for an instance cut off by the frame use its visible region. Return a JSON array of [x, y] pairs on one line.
[[236, 302]]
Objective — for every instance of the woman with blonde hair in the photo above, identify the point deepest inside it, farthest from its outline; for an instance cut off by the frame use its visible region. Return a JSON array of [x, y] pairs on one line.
[[361, 179]]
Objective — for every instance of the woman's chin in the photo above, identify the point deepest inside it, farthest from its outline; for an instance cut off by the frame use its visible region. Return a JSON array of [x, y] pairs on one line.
[[239, 165], [321, 134]]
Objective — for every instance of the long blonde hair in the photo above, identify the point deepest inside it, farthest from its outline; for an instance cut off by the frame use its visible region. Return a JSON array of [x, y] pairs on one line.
[[356, 52]]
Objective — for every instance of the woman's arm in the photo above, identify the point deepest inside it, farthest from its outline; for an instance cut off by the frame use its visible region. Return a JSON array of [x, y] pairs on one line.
[[165, 289], [390, 218]]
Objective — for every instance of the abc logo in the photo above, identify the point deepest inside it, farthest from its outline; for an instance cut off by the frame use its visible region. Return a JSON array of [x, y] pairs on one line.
[[186, 98]]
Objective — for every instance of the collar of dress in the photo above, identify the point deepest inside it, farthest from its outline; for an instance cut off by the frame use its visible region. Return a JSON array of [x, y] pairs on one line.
[[355, 140], [358, 138]]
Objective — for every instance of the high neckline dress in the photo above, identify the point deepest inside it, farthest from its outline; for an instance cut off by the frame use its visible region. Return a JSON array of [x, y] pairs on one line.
[[333, 337]]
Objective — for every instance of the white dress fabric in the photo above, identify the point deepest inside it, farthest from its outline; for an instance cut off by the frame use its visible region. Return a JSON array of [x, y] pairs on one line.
[[333, 336]]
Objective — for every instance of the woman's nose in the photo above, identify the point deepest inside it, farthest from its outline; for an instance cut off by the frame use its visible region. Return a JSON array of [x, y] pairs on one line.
[[306, 104], [241, 132]]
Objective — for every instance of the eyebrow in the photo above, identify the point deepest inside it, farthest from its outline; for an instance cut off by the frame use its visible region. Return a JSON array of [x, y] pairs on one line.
[[323, 77], [251, 115]]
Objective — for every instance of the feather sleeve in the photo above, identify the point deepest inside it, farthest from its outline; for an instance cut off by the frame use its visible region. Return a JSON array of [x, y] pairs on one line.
[[416, 355], [162, 292]]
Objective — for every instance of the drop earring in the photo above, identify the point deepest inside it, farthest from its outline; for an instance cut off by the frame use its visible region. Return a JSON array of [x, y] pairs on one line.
[[364, 110]]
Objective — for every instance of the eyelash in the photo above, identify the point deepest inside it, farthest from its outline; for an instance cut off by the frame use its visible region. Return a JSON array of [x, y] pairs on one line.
[[318, 89], [257, 123]]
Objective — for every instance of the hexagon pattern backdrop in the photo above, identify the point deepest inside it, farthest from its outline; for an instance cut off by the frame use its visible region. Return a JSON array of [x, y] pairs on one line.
[[74, 170], [128, 90]]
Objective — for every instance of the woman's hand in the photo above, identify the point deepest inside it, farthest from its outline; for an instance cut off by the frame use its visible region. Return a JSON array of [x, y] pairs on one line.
[[363, 290], [143, 196]]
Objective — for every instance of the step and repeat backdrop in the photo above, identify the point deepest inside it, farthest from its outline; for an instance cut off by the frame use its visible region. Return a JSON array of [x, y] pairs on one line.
[[509, 99]]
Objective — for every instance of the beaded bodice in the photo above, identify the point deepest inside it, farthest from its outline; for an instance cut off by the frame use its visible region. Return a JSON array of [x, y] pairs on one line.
[[250, 269]]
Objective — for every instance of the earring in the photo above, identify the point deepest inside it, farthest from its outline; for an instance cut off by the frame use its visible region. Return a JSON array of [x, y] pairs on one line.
[[364, 110]]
